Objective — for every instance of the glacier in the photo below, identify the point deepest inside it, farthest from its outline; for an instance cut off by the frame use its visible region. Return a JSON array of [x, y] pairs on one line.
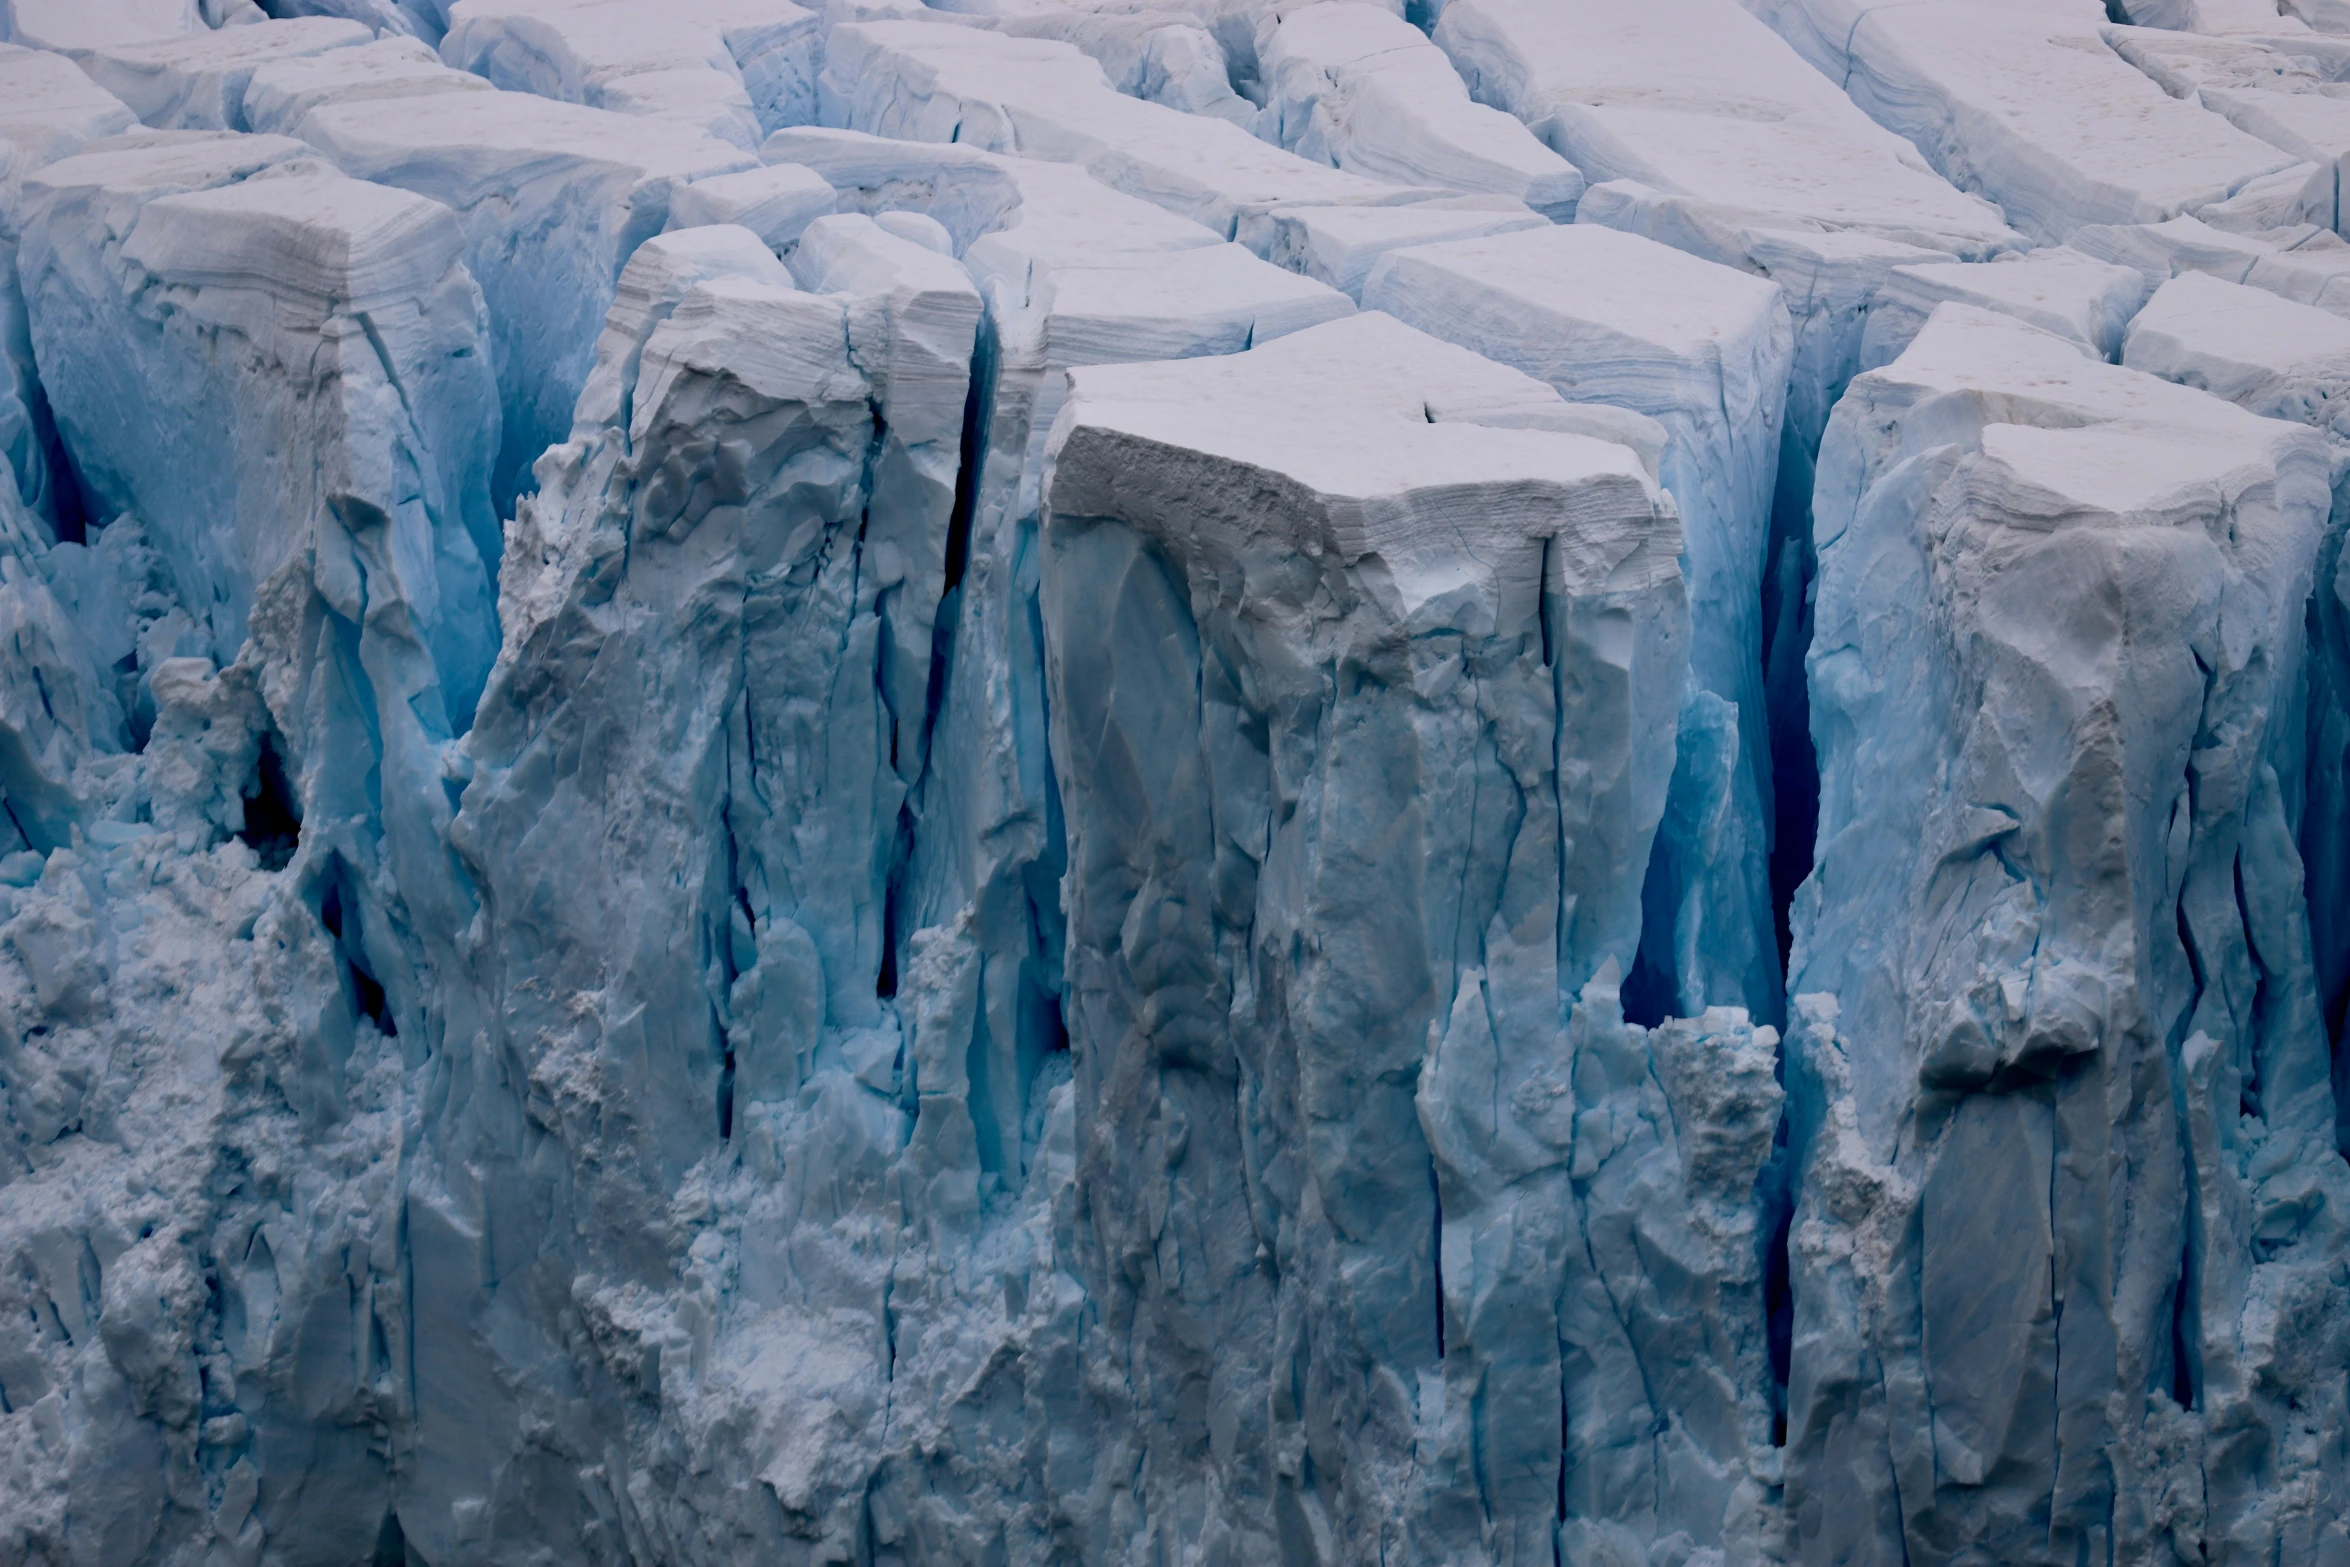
[[1486, 782]]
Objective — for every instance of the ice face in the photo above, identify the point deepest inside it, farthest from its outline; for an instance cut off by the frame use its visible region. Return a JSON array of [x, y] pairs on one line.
[[50, 110], [1095, 817], [731, 69], [599, 184], [1223, 763], [1996, 989], [1705, 350]]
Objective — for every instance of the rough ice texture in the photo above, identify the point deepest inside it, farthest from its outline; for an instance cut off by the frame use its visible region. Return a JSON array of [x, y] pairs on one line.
[[1439, 660], [1040, 840], [2064, 603], [2058, 290], [1614, 318], [553, 198], [198, 84], [1043, 99], [1352, 85]]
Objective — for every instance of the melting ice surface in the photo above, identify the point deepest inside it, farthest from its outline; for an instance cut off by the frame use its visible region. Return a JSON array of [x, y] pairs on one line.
[[1217, 782]]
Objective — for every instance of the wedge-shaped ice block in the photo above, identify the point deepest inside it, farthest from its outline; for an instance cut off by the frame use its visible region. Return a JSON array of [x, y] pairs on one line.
[[2070, 1189], [2254, 348], [1044, 99], [1353, 85], [2058, 290], [1340, 245], [553, 198], [1705, 350], [198, 83], [2035, 111], [1363, 687]]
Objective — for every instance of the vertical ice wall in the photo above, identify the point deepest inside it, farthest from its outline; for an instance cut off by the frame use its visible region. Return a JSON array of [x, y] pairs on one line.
[[2075, 966], [1398, 705], [1705, 350]]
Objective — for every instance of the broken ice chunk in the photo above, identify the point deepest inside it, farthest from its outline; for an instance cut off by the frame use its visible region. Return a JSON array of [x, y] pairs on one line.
[[1705, 350], [732, 69], [775, 202], [48, 109], [2308, 265], [1354, 714], [198, 84], [298, 371], [553, 198], [2251, 347], [1043, 99], [2058, 290], [661, 272], [2036, 112], [1723, 113], [1355, 86]]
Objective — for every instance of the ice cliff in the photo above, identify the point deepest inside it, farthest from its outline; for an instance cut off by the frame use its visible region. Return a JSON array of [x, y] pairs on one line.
[[1195, 781]]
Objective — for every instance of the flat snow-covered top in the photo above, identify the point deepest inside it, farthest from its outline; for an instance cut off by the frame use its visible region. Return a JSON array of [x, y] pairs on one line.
[[319, 238], [1359, 429]]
